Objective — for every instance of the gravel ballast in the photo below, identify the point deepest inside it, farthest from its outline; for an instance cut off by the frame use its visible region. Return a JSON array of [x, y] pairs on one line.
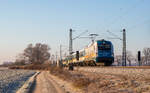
[[12, 80]]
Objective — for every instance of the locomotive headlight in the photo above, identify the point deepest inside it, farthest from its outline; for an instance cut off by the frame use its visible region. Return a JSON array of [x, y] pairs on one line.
[[104, 42]]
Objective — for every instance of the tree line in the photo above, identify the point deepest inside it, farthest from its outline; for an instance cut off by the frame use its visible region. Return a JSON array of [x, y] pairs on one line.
[[145, 58], [32, 54], [40, 53]]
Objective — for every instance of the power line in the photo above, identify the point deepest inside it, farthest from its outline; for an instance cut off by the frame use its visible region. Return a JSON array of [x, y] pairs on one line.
[[91, 36], [115, 36], [124, 45], [80, 34], [137, 25], [124, 14], [71, 40]]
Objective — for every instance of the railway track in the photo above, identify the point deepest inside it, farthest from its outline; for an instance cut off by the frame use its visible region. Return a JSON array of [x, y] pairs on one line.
[[132, 67], [126, 67], [136, 67]]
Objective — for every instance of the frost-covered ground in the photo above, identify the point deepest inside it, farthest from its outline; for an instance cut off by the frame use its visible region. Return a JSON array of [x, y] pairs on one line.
[[129, 72], [117, 80], [12, 80]]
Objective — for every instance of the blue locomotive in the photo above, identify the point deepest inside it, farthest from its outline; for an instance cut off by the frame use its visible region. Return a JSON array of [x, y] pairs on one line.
[[97, 53]]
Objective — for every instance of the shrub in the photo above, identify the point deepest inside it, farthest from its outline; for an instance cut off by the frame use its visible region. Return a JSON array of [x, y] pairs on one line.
[[78, 80], [81, 82], [32, 67]]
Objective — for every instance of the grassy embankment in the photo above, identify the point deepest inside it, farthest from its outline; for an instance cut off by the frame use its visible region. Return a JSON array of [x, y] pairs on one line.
[[76, 78], [98, 82], [32, 67]]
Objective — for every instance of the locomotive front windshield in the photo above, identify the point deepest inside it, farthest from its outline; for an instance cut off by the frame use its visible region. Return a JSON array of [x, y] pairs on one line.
[[104, 47]]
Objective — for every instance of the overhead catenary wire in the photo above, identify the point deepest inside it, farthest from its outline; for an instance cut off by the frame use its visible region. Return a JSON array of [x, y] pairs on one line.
[[71, 39], [115, 36], [80, 35], [137, 25], [124, 14]]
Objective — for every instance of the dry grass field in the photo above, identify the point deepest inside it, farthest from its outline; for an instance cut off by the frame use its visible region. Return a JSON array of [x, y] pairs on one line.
[[118, 80], [107, 79], [101, 79]]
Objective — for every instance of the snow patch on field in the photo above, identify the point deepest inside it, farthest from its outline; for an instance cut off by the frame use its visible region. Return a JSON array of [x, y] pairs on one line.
[[12, 80]]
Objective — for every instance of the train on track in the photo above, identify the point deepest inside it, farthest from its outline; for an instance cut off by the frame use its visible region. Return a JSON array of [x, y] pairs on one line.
[[100, 52]]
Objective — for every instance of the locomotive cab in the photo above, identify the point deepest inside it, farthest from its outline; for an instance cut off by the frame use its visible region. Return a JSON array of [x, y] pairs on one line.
[[105, 52]]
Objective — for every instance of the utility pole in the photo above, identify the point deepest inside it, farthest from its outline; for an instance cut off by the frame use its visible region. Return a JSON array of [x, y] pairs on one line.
[[56, 59], [60, 62], [124, 45], [53, 59], [70, 43], [60, 52], [139, 57], [71, 40], [124, 48]]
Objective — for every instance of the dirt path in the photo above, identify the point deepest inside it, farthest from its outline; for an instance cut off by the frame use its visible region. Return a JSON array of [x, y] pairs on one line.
[[45, 84]]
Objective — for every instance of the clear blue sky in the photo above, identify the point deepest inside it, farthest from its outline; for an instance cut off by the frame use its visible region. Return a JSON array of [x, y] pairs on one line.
[[48, 21]]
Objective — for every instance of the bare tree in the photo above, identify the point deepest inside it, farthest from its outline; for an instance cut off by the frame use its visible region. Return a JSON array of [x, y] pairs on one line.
[[129, 57], [118, 59], [143, 60], [20, 60], [146, 52], [6, 64], [38, 53], [28, 52]]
